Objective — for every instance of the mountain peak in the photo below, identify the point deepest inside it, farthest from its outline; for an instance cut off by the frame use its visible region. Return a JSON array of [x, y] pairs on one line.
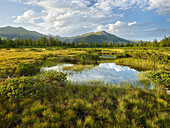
[[13, 32], [100, 37], [102, 33], [13, 28]]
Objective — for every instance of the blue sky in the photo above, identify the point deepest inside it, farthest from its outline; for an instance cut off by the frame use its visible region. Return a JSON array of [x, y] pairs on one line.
[[130, 19]]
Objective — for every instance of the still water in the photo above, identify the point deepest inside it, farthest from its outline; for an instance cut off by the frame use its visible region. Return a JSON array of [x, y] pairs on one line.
[[109, 73]]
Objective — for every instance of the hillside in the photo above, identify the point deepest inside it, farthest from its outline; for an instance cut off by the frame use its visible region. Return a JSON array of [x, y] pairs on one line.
[[13, 32], [99, 37]]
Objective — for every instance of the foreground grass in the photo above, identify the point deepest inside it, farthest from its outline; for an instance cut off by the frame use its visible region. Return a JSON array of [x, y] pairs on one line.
[[49, 101]]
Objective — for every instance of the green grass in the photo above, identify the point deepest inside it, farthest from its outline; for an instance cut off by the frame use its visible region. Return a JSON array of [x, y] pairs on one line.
[[142, 64], [160, 77], [62, 104], [49, 100]]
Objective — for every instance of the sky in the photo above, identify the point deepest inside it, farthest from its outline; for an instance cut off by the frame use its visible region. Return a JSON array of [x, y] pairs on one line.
[[130, 19]]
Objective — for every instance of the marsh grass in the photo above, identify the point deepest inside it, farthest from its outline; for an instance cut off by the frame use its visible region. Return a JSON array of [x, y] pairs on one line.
[[36, 50], [63, 104], [141, 64], [9, 59]]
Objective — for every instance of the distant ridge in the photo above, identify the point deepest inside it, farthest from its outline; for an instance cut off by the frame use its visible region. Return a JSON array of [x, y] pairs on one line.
[[13, 32], [100, 37]]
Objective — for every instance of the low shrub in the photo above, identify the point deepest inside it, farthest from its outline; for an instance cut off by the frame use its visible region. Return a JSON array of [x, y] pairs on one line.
[[35, 50], [122, 55], [160, 77], [19, 88], [55, 76], [24, 69]]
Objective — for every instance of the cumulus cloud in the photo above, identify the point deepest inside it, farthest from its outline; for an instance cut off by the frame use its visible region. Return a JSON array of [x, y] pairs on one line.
[[100, 28], [120, 27], [68, 15], [72, 17], [134, 30], [28, 16]]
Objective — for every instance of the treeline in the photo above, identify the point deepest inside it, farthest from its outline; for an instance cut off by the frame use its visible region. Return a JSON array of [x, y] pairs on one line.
[[51, 41]]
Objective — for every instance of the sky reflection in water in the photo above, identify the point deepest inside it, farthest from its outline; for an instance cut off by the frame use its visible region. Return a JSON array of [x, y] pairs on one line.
[[106, 72]]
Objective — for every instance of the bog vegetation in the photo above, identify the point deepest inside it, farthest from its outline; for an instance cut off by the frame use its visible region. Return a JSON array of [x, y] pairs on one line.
[[32, 99]]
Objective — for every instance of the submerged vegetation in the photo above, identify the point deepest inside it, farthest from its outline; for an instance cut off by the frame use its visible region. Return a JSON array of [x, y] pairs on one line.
[[77, 67], [32, 99]]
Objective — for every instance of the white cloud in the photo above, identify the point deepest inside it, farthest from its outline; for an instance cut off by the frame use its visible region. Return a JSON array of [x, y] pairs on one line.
[[119, 27], [100, 28], [168, 20], [60, 15], [11, 0], [73, 17], [130, 24], [67, 15], [134, 30], [162, 6], [29, 16], [13, 16], [31, 2], [14, 0]]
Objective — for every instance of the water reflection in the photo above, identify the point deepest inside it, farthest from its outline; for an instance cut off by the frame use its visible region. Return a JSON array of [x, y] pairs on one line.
[[109, 56], [106, 72]]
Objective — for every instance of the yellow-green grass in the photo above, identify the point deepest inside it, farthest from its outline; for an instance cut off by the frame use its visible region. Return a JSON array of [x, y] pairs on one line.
[[10, 58], [62, 104], [67, 105], [142, 64]]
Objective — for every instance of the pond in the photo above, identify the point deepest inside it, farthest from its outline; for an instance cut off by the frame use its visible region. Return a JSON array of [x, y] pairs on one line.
[[108, 73], [108, 56]]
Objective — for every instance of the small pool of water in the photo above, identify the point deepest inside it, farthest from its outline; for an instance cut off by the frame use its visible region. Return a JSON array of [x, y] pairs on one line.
[[105, 72], [109, 56]]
